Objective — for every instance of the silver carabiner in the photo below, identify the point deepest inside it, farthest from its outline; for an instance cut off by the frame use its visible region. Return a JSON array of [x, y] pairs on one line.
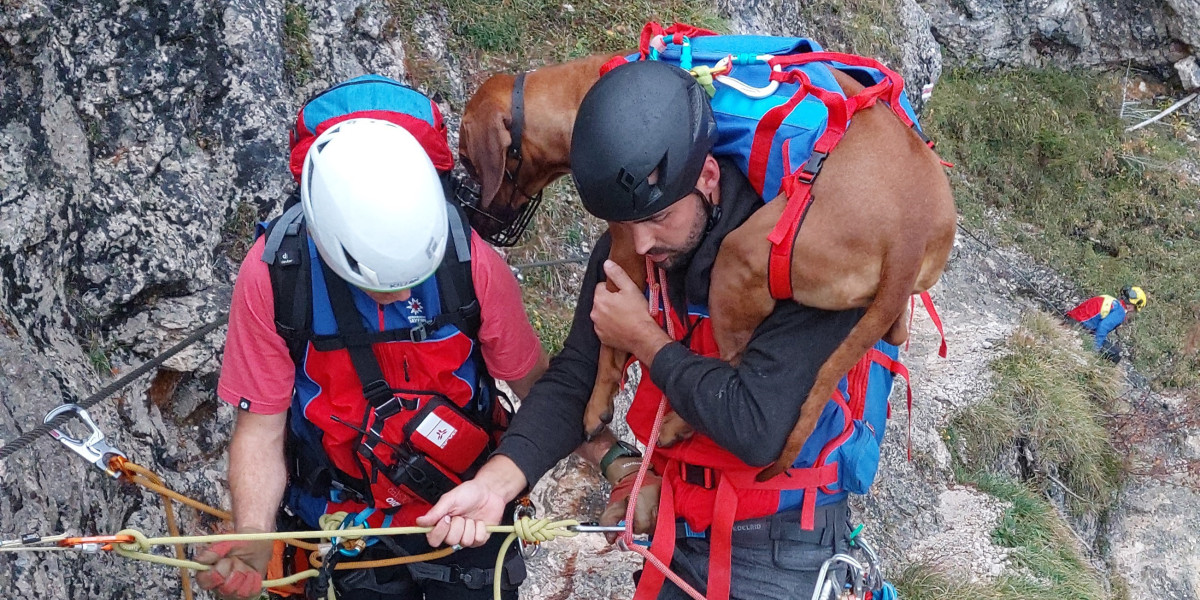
[[826, 584], [528, 550], [94, 449]]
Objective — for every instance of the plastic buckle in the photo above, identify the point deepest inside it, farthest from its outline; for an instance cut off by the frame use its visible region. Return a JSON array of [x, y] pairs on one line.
[[377, 392], [418, 334], [692, 533], [470, 578], [812, 167], [94, 449], [924, 138], [697, 475]]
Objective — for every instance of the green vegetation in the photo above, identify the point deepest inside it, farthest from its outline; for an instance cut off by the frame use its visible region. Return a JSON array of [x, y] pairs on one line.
[[489, 36], [560, 229], [97, 354], [297, 52], [531, 31], [1108, 209], [1049, 391], [1046, 556], [238, 232]]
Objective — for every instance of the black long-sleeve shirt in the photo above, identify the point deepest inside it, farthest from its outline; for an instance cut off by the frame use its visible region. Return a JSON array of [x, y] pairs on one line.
[[748, 410]]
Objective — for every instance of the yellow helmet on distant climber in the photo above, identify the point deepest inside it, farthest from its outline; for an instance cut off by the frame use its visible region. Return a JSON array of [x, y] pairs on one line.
[[1135, 296]]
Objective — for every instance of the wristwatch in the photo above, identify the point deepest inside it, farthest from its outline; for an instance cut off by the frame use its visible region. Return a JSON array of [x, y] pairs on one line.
[[620, 449]]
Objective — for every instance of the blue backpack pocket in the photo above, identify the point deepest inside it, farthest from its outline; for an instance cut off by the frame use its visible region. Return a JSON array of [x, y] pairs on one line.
[[858, 459]]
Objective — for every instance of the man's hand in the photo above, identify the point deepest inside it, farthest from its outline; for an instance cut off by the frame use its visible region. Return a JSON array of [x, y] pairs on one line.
[[237, 567], [461, 516], [621, 318], [646, 513]]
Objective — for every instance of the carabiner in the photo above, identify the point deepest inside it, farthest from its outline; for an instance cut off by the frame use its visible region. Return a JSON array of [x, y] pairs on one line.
[[94, 449], [526, 509]]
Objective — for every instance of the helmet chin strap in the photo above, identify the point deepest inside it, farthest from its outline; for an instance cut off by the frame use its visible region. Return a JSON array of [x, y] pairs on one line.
[[713, 210]]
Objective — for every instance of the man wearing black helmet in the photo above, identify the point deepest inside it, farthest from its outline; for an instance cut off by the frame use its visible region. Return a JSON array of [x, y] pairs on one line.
[[641, 157]]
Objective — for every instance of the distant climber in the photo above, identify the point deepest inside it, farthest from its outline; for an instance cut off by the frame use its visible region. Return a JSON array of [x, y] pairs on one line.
[[1103, 314]]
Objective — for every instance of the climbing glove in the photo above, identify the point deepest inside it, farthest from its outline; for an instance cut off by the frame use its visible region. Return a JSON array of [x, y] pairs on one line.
[[237, 567], [622, 473]]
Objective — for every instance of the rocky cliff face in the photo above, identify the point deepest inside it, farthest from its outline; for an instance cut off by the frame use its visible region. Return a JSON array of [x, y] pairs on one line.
[[140, 140]]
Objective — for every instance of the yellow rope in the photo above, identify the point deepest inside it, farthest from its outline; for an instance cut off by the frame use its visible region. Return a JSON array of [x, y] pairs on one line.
[[529, 530]]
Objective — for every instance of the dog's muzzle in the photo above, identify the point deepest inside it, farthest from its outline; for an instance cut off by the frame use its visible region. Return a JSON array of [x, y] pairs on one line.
[[500, 226]]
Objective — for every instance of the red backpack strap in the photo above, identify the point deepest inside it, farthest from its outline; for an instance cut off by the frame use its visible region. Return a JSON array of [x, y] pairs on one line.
[[612, 63], [892, 83], [676, 31], [662, 546], [927, 300], [897, 368], [798, 184]]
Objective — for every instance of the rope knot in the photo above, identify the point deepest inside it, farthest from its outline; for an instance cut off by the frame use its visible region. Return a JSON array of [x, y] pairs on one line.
[[140, 542], [534, 531]]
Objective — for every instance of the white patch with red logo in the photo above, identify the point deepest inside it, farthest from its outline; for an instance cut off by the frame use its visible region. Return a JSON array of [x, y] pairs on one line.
[[436, 430]]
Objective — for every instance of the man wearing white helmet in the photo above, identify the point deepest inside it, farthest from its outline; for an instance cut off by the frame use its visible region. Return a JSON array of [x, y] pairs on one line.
[[382, 393]]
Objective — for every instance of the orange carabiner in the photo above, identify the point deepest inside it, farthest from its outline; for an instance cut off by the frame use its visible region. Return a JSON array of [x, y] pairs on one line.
[[106, 540]]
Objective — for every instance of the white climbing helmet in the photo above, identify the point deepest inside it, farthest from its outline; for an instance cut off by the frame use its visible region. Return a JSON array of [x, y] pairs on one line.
[[374, 205]]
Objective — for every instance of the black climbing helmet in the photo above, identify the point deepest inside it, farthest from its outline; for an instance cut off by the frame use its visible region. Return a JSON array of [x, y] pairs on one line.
[[639, 117]]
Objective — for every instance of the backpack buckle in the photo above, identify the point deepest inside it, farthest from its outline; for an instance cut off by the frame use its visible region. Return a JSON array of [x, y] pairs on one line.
[[812, 167], [419, 333], [377, 392], [698, 475]]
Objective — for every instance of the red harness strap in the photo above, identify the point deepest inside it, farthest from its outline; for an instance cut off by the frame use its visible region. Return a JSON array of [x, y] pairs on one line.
[[927, 300], [797, 184], [724, 511], [897, 368]]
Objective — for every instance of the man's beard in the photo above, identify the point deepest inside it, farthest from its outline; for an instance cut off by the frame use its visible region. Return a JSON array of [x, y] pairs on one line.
[[680, 256]]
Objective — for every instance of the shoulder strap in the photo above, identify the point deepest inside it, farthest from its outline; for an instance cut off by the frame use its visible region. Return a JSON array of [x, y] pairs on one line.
[[456, 286], [286, 255], [358, 343]]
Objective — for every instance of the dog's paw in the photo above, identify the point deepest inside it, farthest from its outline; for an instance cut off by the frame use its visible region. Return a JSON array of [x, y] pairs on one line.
[[674, 430]]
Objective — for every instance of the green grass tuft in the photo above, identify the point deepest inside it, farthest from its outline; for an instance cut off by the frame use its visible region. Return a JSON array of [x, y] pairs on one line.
[[1108, 209], [1046, 560], [297, 52], [1049, 392], [237, 234]]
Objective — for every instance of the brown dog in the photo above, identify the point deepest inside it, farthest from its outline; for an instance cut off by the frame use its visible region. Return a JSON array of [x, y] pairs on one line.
[[552, 97], [880, 229]]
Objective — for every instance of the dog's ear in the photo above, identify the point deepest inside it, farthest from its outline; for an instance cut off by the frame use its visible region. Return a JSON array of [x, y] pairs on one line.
[[484, 143]]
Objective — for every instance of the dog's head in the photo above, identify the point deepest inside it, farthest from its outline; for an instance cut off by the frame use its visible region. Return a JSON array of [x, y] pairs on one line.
[[510, 176]]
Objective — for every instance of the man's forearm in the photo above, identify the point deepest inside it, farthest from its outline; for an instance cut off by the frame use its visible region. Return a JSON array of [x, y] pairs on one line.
[[647, 346], [257, 470], [502, 477]]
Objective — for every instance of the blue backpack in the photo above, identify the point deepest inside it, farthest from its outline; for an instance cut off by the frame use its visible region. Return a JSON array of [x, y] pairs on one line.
[[773, 97], [779, 112]]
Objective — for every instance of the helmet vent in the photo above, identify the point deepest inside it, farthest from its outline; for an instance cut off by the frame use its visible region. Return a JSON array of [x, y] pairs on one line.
[[626, 179], [350, 262]]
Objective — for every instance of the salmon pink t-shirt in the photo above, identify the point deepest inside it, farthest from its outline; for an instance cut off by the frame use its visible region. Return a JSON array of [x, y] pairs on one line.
[[257, 373]]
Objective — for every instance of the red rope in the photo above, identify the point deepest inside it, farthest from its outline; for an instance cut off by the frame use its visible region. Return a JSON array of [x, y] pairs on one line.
[[627, 535]]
